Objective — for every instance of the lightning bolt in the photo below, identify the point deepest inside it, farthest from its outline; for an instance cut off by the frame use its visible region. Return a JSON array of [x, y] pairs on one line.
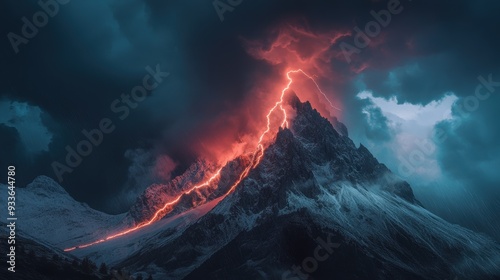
[[317, 86], [255, 160]]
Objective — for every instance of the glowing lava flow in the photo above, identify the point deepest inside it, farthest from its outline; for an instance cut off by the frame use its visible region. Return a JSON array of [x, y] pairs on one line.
[[256, 158], [155, 217]]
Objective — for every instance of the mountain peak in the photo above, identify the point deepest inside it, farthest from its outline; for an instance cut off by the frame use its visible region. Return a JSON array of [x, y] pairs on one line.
[[44, 184], [310, 141], [327, 143]]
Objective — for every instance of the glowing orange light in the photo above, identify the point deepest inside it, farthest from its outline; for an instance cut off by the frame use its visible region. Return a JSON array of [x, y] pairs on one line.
[[256, 158], [157, 216]]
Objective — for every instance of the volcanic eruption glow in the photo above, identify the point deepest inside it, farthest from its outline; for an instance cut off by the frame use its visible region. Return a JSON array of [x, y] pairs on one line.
[[255, 160]]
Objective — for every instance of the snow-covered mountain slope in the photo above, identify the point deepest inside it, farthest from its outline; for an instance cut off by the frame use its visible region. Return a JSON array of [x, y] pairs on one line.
[[40, 261], [375, 236], [313, 182], [47, 213], [147, 238]]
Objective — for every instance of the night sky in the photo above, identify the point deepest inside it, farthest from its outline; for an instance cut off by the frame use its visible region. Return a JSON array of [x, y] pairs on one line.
[[417, 78]]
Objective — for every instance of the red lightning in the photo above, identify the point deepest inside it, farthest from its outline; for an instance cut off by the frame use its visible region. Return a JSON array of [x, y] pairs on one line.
[[317, 86], [256, 158]]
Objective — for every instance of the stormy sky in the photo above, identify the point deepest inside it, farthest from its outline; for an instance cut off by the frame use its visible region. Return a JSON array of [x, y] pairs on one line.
[[422, 94]]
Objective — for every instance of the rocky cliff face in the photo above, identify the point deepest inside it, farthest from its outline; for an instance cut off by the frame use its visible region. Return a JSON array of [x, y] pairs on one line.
[[326, 146], [155, 196]]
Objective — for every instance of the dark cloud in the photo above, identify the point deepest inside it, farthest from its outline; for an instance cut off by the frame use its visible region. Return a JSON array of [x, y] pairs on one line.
[[470, 155], [446, 48], [10, 145], [377, 128]]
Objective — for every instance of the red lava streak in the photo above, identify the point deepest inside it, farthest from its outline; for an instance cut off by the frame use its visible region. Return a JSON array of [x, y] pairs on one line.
[[256, 158], [157, 216]]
